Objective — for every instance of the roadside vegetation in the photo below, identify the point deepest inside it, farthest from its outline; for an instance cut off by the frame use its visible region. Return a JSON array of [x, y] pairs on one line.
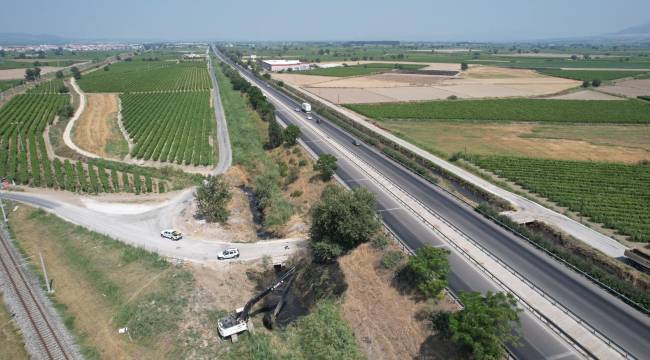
[[569, 111], [212, 199], [7, 84], [248, 132], [102, 285], [11, 341]]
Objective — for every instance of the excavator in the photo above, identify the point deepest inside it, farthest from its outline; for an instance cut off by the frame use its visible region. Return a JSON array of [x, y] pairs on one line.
[[236, 323]]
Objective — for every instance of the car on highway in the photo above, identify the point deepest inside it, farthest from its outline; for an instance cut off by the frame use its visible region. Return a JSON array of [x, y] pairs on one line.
[[309, 117], [297, 109], [230, 253], [356, 142], [171, 234]]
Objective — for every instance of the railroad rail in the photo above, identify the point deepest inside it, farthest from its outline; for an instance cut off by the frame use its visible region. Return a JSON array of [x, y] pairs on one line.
[[44, 339]]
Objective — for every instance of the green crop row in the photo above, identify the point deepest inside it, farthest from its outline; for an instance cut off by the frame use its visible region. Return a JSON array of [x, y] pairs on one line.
[[576, 111], [616, 195], [589, 75], [146, 76], [170, 127], [54, 86]]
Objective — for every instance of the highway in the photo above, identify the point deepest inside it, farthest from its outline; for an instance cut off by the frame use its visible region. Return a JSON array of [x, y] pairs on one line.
[[618, 321]]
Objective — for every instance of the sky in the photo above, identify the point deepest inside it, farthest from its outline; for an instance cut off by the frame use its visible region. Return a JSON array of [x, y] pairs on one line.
[[256, 20]]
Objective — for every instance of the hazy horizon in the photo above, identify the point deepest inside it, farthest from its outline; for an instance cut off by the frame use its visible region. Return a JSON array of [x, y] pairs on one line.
[[411, 20]]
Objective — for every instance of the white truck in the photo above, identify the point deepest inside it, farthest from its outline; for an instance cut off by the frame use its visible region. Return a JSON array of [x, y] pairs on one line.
[[306, 107]]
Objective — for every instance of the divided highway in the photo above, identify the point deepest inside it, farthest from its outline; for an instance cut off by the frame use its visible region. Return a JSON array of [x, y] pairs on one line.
[[626, 326]]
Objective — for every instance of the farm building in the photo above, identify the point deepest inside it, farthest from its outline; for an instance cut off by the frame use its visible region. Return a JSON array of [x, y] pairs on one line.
[[279, 65], [328, 65]]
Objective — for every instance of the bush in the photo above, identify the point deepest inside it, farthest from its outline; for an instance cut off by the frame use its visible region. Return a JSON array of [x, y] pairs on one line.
[[326, 166], [296, 194], [302, 162], [325, 251], [212, 199], [345, 218], [595, 83], [391, 259], [427, 270], [380, 241]]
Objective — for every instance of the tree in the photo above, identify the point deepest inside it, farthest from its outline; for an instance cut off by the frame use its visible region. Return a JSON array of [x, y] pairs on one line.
[[66, 111], [326, 166], [464, 66], [212, 199], [485, 324], [59, 74], [427, 270], [586, 84], [595, 83], [291, 134], [75, 72], [341, 220], [29, 75], [275, 134], [106, 68]]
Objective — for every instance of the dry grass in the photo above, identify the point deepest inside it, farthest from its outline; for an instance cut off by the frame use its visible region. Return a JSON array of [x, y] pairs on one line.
[[97, 130], [11, 342], [388, 324], [618, 143]]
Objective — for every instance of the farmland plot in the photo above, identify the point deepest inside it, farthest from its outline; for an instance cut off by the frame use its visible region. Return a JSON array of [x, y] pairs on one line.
[[24, 158], [571, 111], [148, 76], [616, 195], [170, 127]]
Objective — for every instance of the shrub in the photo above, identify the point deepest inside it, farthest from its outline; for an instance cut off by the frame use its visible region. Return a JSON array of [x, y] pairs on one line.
[[427, 270], [326, 166], [296, 194], [325, 251], [302, 162], [391, 259], [380, 241], [212, 199]]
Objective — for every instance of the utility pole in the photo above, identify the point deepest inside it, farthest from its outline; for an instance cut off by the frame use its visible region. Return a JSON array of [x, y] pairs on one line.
[[47, 281]]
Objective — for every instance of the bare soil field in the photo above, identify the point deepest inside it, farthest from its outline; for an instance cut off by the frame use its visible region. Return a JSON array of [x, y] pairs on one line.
[[586, 95], [10, 74], [97, 130], [629, 88], [477, 82], [628, 144], [372, 306]]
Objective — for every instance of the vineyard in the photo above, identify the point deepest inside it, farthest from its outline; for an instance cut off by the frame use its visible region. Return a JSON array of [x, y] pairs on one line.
[[616, 195], [48, 87], [570, 111], [171, 127], [148, 76], [588, 75], [24, 158]]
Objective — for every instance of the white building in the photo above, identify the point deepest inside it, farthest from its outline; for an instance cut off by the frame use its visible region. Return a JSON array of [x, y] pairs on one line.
[[279, 65], [328, 65]]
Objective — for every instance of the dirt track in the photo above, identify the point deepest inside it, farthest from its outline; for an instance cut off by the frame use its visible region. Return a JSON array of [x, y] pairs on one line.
[[96, 127]]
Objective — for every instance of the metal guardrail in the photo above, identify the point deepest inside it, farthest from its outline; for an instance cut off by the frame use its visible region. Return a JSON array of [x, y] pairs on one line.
[[543, 318]]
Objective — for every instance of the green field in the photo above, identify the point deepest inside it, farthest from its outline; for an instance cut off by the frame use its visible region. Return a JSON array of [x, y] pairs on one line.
[[646, 98], [171, 127], [576, 111], [356, 70], [12, 64], [616, 195], [588, 75], [142, 76], [7, 84]]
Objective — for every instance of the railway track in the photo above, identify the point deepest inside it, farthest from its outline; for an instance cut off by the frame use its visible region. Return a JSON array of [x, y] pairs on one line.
[[43, 338]]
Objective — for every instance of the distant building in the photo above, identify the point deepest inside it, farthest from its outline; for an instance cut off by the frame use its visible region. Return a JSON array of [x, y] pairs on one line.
[[193, 56], [328, 65], [279, 65]]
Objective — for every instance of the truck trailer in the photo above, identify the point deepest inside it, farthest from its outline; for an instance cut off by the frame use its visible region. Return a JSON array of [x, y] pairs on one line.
[[306, 107]]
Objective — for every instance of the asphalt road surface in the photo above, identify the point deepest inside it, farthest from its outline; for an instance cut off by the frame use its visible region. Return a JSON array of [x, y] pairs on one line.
[[617, 320]]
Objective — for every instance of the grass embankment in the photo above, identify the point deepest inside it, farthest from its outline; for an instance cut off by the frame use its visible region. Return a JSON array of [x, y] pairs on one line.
[[102, 285], [248, 135], [589, 75], [569, 111], [615, 195], [11, 342], [356, 70]]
